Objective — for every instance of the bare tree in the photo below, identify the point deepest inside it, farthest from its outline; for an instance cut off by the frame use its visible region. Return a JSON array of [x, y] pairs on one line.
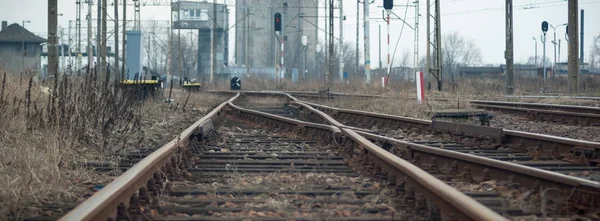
[[458, 51], [595, 53], [402, 63]]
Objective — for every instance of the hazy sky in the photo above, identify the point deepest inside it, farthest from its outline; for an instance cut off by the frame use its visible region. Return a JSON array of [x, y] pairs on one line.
[[480, 20]]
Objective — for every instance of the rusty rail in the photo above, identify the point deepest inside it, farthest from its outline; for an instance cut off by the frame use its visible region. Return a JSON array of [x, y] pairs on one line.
[[448, 199], [103, 204], [584, 191], [512, 137], [115, 196]]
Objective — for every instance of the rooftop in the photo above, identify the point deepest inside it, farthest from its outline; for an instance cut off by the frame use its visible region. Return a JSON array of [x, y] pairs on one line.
[[16, 33]]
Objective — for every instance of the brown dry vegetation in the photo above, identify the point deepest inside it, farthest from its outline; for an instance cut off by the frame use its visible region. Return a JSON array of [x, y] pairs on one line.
[[471, 88], [45, 132]]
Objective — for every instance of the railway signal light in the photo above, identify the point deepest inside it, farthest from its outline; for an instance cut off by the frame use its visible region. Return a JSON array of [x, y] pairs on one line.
[[388, 4], [545, 26], [277, 23]]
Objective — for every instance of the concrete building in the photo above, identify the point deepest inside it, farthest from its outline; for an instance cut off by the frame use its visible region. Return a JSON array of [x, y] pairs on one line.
[[19, 49], [198, 16], [255, 40]]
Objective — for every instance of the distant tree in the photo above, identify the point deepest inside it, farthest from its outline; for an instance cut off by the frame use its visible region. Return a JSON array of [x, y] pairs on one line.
[[595, 53], [458, 51]]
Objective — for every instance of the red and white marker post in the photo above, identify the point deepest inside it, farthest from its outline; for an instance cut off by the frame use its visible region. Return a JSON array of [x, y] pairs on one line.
[[420, 86]]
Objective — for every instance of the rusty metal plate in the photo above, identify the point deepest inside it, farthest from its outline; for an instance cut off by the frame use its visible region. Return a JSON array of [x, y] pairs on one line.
[[495, 133]]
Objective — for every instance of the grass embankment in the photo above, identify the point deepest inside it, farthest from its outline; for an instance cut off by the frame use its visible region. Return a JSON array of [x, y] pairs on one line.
[[47, 129]]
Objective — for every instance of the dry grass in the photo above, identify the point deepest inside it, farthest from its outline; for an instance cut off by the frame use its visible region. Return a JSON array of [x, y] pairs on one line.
[[489, 88], [46, 131]]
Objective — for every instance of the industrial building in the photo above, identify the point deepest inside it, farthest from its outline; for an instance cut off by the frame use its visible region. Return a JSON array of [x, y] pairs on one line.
[[258, 47], [198, 16]]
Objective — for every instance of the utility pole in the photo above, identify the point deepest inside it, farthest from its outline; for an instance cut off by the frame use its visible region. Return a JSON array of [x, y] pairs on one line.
[[78, 33], [341, 44], [573, 44], [331, 44], [357, 35], [52, 50], [536, 56], [98, 33], [283, 20], [180, 54], [416, 49], [116, 20], [509, 48], [213, 41], [247, 41], [104, 17], [581, 39], [61, 58], [389, 64], [434, 55], [124, 41], [90, 49], [367, 42], [380, 64], [326, 38]]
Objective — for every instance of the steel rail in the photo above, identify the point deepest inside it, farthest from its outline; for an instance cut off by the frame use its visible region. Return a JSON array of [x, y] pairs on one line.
[[546, 176], [501, 170], [103, 204], [450, 199], [513, 137], [534, 172], [567, 108]]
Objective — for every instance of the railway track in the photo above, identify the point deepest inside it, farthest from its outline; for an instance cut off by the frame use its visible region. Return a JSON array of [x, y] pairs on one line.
[[488, 153], [240, 164], [581, 115]]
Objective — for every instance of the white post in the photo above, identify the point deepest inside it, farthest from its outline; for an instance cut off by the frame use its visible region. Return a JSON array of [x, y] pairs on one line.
[[420, 86]]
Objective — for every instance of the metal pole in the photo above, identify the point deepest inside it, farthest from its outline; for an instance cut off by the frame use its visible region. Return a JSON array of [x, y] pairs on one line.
[[559, 50], [389, 64], [283, 19], [341, 40], [247, 41], [213, 42], [116, 20], [52, 50], [573, 44], [98, 31], [326, 39], [78, 32], [380, 64], [357, 35], [581, 39], [536, 56], [331, 44], [104, 39], [305, 71], [367, 42], [90, 48], [416, 46], [62, 51], [509, 48], [554, 43], [23, 53], [544, 57], [438, 42], [124, 41], [180, 54]]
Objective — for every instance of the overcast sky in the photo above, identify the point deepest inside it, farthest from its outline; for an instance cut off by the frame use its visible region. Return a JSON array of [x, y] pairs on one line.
[[480, 20]]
